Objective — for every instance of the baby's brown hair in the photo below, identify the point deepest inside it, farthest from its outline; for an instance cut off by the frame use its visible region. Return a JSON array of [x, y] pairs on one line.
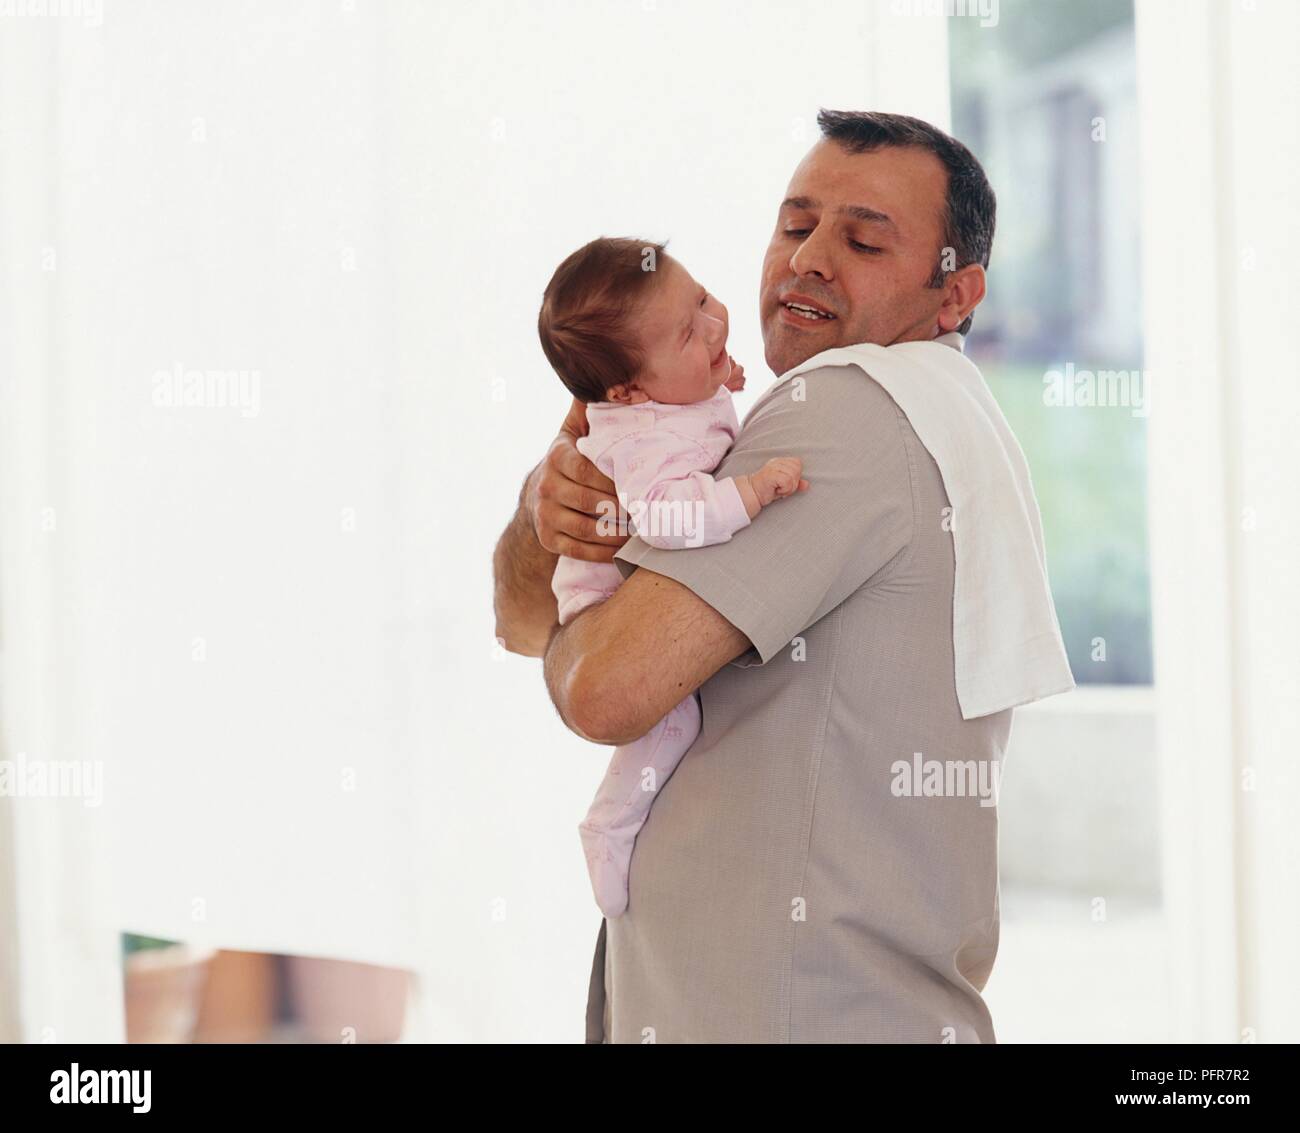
[[583, 323]]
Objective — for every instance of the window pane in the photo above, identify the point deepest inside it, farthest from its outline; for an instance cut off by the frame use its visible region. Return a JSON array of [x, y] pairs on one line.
[[1046, 98]]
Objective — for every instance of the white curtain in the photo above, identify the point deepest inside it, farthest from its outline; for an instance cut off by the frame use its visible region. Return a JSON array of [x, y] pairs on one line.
[[269, 622], [1220, 178]]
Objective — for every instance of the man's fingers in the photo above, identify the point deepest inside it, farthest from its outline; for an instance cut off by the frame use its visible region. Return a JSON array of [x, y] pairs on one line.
[[587, 552], [559, 527], [578, 497], [575, 421], [565, 458], [557, 488], [587, 529], [574, 508], [565, 521], [568, 477]]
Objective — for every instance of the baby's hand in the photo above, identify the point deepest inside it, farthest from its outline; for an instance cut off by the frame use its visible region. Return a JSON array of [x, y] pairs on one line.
[[736, 382], [777, 478]]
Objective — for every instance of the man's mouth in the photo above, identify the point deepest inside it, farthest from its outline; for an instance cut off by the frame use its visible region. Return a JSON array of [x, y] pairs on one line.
[[806, 310]]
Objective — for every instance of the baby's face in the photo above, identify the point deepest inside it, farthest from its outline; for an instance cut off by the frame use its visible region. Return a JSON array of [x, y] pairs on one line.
[[683, 333]]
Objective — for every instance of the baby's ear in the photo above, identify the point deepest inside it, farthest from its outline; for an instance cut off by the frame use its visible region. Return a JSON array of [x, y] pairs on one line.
[[626, 394]]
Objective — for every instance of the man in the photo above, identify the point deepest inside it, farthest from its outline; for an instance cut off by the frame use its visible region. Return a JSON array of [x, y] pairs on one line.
[[781, 891]]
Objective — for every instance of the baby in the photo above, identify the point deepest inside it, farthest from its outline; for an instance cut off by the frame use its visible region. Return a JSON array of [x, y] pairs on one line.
[[632, 335]]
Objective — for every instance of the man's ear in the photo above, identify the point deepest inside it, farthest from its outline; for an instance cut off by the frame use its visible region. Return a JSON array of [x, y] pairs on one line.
[[963, 291], [627, 393]]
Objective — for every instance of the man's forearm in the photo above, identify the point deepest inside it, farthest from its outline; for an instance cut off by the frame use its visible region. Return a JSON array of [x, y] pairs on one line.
[[621, 665], [526, 612], [565, 653]]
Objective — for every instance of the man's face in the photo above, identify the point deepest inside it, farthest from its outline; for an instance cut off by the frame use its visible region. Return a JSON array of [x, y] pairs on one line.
[[857, 238]]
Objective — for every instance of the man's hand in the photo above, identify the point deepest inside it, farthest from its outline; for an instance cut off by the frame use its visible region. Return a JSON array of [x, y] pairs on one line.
[[556, 515], [736, 382], [567, 495]]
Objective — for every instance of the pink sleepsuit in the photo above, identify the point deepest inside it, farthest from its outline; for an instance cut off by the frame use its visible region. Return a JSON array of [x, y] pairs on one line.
[[660, 458]]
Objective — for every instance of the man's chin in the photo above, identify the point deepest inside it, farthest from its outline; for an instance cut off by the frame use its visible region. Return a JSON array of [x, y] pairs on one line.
[[784, 348]]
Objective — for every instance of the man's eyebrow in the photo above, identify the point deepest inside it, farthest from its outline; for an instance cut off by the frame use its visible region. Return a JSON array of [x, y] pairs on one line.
[[871, 216], [858, 212]]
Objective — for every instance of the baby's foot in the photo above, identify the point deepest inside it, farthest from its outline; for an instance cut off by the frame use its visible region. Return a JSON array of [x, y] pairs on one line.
[[608, 879]]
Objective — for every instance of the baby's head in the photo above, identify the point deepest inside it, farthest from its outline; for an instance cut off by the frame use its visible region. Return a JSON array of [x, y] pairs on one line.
[[622, 321]]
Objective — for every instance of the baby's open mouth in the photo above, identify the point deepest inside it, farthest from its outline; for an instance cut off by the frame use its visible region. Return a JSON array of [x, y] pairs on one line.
[[810, 313]]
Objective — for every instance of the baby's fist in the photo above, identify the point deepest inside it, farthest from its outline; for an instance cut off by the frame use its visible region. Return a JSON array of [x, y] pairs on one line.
[[736, 382], [779, 477]]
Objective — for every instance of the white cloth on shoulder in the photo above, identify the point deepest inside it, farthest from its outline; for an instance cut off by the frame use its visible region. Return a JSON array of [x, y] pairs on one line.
[[1006, 639]]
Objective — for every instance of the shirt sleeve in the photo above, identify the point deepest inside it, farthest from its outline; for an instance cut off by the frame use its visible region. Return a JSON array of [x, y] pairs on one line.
[[804, 555], [671, 503]]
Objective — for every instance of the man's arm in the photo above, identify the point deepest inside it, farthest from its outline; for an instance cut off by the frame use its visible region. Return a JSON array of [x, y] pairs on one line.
[[557, 511], [525, 605], [620, 666]]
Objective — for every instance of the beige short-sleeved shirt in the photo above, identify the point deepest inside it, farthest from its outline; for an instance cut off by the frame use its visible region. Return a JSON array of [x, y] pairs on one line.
[[781, 890]]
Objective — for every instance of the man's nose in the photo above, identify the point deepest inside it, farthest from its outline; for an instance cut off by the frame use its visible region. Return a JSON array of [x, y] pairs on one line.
[[812, 256]]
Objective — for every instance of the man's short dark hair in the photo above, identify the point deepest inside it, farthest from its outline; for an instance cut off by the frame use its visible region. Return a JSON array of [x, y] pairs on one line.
[[970, 209]]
